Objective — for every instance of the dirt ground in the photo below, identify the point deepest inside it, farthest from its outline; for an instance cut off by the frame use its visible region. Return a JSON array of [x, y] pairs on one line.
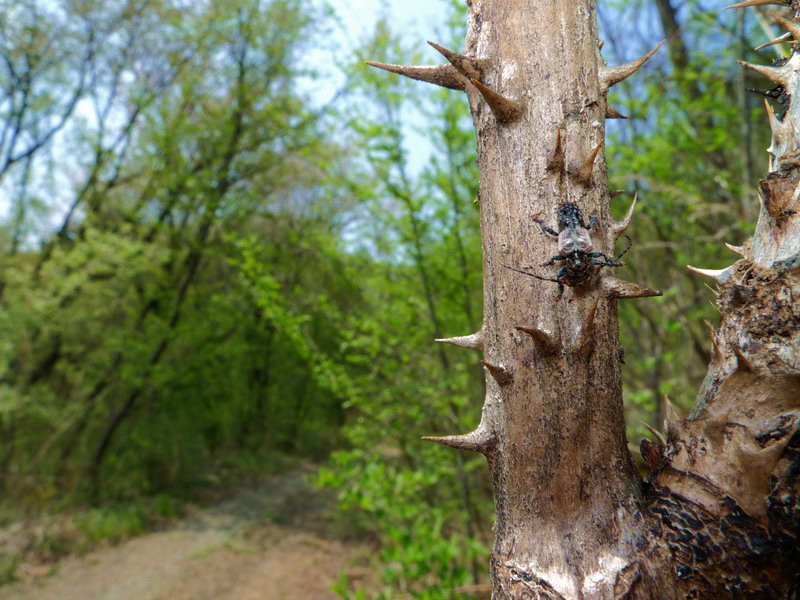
[[276, 541]]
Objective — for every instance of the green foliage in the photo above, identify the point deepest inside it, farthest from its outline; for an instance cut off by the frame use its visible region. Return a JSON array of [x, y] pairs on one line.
[[693, 151], [202, 273], [112, 524], [136, 356]]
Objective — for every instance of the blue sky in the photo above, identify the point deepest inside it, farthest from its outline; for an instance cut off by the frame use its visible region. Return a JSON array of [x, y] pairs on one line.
[[419, 16]]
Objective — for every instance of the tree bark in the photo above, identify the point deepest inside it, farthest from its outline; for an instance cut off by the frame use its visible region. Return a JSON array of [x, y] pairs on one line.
[[574, 518]]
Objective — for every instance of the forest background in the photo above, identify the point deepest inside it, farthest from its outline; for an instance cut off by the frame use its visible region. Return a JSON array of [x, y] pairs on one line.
[[226, 244]]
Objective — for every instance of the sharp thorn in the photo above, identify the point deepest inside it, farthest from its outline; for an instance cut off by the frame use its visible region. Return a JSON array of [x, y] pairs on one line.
[[615, 193], [774, 124], [763, 460], [756, 3], [776, 74], [623, 290], [583, 341], [473, 342], [613, 113], [613, 75], [717, 353], [656, 433], [713, 426], [620, 226], [712, 290], [778, 40], [770, 455], [543, 340], [788, 25], [781, 130], [504, 109], [743, 250], [479, 440], [742, 362], [671, 419], [500, 374], [469, 67], [443, 75], [557, 161], [720, 275], [740, 250], [584, 174]]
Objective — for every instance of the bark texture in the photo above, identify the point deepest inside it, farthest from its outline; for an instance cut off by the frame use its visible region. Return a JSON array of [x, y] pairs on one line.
[[574, 518]]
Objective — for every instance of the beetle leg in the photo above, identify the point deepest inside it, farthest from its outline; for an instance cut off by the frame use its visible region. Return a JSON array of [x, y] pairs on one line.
[[553, 260], [592, 222], [607, 263], [545, 228]]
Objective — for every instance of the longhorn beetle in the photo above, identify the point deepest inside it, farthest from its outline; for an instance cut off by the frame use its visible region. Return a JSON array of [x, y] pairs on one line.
[[575, 250]]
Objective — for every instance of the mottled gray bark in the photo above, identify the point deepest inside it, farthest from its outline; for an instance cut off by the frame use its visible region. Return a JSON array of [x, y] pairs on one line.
[[574, 518]]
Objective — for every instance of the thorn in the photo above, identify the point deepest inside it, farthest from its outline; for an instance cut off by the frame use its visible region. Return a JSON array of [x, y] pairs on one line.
[[501, 375], [778, 40], [774, 124], [443, 75], [473, 342], [557, 161], [720, 275], [756, 3], [714, 426], [781, 130], [584, 175], [469, 67], [712, 290], [504, 109], [623, 290], [788, 25], [776, 74], [714, 342], [656, 433], [615, 193], [613, 75], [740, 250], [742, 362], [763, 460], [583, 342], [620, 226], [543, 340], [671, 419], [613, 113], [479, 440], [652, 453]]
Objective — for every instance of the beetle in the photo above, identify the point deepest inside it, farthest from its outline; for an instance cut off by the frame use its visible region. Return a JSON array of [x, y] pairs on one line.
[[575, 249]]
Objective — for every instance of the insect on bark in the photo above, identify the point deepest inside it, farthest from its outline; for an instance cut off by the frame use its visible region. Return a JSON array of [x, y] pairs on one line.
[[575, 250]]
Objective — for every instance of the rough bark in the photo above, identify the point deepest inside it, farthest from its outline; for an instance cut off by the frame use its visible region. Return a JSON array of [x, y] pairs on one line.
[[574, 518]]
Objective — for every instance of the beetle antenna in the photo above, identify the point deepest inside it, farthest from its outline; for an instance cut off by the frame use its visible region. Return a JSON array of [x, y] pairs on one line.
[[628, 247], [524, 272]]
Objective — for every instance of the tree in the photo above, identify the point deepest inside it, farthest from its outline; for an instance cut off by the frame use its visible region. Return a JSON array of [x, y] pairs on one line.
[[719, 514], [136, 351]]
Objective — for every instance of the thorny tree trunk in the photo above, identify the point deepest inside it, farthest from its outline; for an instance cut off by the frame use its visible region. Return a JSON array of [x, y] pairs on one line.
[[718, 516]]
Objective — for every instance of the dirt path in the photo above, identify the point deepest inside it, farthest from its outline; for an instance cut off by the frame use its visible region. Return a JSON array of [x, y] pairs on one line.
[[273, 542]]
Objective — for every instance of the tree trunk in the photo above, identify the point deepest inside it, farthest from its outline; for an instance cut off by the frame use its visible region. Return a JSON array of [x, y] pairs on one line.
[[574, 518]]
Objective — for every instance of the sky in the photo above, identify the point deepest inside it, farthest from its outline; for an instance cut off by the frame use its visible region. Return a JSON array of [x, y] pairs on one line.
[[420, 16], [417, 18], [417, 21]]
